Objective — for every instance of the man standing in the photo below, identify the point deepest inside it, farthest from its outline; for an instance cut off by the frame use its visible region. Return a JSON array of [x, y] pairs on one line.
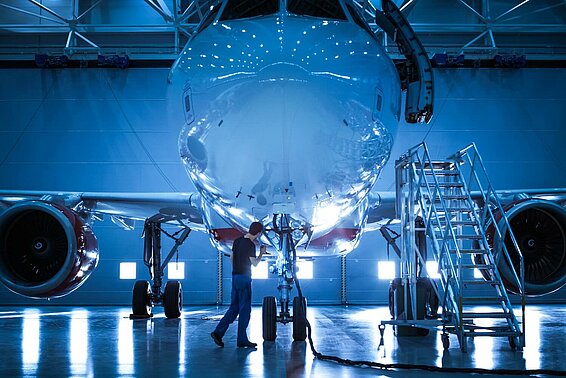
[[242, 258]]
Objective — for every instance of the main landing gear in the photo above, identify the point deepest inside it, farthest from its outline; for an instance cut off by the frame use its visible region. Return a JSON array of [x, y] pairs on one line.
[[286, 270], [146, 295]]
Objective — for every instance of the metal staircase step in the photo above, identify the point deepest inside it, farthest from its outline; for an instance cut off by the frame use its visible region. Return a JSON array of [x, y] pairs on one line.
[[483, 299], [446, 197], [443, 172], [454, 197], [491, 333], [448, 184], [478, 266], [435, 165], [474, 251], [480, 282], [486, 315], [453, 209], [456, 223], [472, 326], [463, 223], [469, 237]]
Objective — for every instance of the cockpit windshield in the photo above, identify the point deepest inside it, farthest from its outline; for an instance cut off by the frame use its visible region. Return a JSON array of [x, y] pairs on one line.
[[236, 9], [330, 9]]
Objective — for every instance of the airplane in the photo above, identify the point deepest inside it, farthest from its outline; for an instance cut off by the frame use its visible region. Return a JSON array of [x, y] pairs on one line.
[[291, 110]]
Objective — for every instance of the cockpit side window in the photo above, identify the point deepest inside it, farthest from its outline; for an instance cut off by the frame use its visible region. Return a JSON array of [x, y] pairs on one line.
[[209, 18], [236, 9], [360, 21], [317, 8]]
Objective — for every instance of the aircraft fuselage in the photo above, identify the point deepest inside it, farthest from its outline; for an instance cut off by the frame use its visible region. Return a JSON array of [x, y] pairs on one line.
[[287, 112]]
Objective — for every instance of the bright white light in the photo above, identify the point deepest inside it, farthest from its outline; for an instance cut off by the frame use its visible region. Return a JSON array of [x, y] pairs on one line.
[[477, 273], [128, 271], [386, 270], [125, 347], [305, 270], [30, 341], [324, 214], [260, 272], [432, 269], [176, 271], [78, 343]]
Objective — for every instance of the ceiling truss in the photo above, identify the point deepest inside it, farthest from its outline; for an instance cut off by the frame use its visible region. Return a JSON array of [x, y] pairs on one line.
[[158, 29]]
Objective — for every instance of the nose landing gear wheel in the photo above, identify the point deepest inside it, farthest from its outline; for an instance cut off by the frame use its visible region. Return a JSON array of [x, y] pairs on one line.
[[173, 299], [141, 299], [269, 318], [299, 319]]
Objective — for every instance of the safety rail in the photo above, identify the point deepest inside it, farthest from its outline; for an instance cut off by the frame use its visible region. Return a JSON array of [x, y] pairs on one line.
[[417, 159], [479, 180]]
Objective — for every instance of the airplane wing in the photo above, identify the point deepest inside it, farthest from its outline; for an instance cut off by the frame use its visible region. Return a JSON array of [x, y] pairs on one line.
[[186, 207], [121, 207]]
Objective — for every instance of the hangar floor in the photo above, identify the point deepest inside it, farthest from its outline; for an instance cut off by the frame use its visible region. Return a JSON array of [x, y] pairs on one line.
[[102, 341]]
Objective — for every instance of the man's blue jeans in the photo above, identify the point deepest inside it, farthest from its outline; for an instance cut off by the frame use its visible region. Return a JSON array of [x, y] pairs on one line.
[[241, 303]]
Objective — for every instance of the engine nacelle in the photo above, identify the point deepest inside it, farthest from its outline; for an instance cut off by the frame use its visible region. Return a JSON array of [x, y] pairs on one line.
[[539, 227], [46, 250]]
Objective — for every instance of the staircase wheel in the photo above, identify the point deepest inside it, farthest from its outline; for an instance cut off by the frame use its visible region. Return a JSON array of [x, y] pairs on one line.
[[269, 318], [445, 341], [141, 299], [433, 302], [299, 319], [173, 299], [512, 343]]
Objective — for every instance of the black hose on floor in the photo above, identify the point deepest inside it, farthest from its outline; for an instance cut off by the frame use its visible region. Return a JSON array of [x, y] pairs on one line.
[[377, 365]]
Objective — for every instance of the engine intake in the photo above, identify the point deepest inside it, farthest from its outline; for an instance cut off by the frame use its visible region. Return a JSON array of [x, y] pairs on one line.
[[46, 250], [539, 228]]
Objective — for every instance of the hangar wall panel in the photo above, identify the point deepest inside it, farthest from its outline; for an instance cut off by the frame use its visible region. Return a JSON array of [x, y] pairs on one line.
[[116, 130]]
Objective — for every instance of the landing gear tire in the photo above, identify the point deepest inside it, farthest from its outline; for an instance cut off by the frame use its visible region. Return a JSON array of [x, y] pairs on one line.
[[173, 299], [445, 341], [269, 318], [299, 319], [141, 299]]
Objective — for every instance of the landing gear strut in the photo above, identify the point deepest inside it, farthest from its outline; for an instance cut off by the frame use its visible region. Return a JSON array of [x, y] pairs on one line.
[[144, 295], [286, 269]]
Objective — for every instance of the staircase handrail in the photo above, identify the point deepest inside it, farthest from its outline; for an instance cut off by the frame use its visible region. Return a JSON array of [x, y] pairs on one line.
[[491, 194], [490, 198], [412, 157]]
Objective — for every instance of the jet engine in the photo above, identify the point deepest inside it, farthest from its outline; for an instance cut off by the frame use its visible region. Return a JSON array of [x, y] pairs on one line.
[[46, 250], [539, 227]]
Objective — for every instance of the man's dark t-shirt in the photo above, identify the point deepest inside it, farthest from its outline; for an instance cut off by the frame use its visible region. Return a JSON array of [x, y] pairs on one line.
[[242, 249]]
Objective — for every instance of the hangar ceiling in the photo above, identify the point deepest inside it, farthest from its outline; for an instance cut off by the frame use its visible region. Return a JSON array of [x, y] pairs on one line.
[[158, 29]]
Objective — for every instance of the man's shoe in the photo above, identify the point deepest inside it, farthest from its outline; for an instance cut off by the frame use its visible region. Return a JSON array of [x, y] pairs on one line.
[[217, 339], [247, 344]]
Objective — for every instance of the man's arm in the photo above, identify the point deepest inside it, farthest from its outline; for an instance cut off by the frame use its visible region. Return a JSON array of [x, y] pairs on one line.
[[256, 260]]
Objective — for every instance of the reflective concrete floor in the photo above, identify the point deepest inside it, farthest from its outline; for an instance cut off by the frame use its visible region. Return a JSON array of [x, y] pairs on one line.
[[102, 341]]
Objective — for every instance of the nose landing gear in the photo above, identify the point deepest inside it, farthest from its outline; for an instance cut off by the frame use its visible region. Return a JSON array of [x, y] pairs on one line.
[[286, 269]]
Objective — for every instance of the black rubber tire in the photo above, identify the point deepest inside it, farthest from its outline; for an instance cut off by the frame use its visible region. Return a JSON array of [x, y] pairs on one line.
[[299, 319], [173, 299], [269, 318], [432, 301], [141, 299], [445, 341], [512, 342]]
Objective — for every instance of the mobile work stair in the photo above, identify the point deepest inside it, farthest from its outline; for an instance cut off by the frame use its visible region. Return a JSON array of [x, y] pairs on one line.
[[466, 229]]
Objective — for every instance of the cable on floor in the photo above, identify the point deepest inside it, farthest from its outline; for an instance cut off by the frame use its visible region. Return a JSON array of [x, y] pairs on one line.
[[381, 366]]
